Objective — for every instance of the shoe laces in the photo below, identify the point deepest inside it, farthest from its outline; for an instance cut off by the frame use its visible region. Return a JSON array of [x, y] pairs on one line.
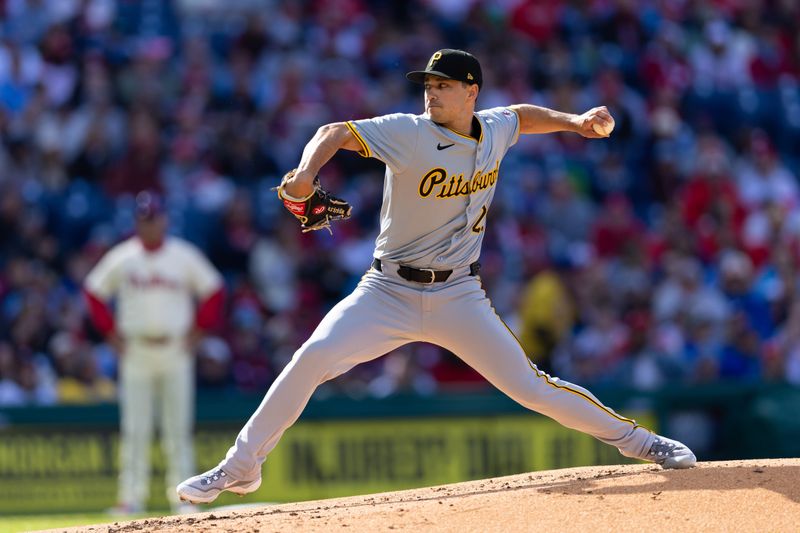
[[661, 449], [213, 476]]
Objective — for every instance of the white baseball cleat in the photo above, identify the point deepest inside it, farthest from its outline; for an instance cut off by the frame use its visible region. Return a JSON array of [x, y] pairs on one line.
[[204, 488], [670, 454]]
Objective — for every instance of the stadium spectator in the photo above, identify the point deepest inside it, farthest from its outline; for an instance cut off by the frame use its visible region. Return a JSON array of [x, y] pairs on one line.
[[762, 178], [209, 102], [547, 314]]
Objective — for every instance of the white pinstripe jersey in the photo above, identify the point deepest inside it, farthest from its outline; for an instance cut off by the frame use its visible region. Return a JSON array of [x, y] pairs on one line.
[[438, 185], [154, 290]]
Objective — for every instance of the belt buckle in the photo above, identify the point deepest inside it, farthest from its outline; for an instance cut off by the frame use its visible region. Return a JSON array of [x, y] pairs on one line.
[[433, 275]]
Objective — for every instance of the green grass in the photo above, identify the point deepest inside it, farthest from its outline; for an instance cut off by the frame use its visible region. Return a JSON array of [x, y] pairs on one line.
[[15, 524]]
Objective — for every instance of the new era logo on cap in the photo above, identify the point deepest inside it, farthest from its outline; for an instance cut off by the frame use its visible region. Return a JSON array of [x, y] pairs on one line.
[[451, 64]]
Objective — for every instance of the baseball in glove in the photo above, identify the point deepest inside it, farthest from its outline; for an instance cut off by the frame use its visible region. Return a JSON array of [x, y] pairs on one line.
[[315, 211]]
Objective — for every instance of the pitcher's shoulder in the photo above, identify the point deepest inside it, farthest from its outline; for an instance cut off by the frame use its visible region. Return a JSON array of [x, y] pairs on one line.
[[394, 120], [501, 112], [405, 117]]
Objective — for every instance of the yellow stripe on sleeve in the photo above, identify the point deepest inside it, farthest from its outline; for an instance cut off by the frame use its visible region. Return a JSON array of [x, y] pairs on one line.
[[365, 152], [519, 123]]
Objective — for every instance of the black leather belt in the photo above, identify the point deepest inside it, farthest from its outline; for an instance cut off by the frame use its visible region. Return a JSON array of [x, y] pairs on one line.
[[425, 275]]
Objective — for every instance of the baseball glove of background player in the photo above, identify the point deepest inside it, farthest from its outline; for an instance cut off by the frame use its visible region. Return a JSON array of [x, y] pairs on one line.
[[317, 210]]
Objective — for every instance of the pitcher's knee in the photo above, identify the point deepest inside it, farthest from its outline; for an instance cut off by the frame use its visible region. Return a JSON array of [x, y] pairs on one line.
[[315, 359], [531, 401], [532, 395]]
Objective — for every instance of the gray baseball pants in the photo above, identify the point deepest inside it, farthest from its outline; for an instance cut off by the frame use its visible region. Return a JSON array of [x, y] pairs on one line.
[[385, 312]]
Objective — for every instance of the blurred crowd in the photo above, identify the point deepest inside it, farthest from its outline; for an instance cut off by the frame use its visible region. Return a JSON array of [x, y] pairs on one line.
[[665, 254]]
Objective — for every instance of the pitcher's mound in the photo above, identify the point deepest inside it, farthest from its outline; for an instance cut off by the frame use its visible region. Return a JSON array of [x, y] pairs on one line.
[[758, 495]]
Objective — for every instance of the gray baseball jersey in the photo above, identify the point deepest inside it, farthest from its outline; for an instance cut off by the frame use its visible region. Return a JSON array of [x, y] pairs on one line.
[[438, 186]]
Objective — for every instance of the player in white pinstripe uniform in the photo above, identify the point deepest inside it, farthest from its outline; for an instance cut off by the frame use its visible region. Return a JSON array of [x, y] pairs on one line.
[[165, 292]]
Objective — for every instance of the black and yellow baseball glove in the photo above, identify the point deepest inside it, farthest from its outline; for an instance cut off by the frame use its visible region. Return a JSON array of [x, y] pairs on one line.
[[317, 210]]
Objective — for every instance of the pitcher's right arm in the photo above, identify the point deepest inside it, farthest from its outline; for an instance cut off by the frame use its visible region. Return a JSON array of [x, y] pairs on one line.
[[328, 140]]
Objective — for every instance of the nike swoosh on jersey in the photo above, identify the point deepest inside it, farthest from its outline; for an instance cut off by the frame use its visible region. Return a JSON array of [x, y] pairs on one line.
[[440, 147]]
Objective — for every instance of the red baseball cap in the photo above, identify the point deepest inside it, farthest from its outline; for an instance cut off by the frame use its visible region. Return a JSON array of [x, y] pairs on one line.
[[149, 205]]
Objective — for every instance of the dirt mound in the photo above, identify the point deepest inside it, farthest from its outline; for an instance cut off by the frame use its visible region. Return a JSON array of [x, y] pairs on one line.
[[759, 495]]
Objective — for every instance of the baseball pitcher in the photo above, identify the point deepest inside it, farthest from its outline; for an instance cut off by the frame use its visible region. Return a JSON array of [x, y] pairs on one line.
[[442, 170], [165, 291]]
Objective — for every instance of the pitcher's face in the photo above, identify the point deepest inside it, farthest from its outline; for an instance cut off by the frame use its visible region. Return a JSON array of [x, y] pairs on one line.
[[447, 100]]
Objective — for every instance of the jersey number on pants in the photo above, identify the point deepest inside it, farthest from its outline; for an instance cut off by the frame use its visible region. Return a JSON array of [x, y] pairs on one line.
[[477, 228]]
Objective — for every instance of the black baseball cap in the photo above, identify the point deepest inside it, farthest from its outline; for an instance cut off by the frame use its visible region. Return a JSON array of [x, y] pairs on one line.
[[452, 64]]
